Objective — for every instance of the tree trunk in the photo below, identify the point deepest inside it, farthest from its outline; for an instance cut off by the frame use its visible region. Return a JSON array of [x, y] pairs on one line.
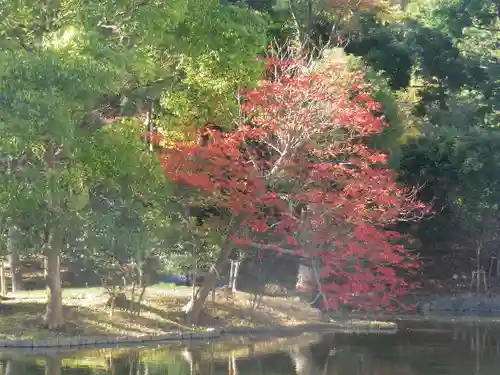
[[298, 27], [52, 251], [317, 270], [305, 278], [310, 21], [16, 273], [235, 271], [195, 305], [3, 283], [231, 274], [53, 366], [132, 298], [194, 273], [13, 251], [141, 297]]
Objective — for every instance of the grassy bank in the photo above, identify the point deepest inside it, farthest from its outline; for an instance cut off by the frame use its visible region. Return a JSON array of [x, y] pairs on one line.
[[161, 313]]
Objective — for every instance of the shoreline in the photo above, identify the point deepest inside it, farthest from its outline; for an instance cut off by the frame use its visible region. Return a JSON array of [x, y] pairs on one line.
[[352, 326], [441, 317], [88, 321], [237, 346], [439, 308], [447, 318], [91, 326]]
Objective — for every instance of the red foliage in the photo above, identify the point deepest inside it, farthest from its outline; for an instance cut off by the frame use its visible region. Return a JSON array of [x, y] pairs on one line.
[[298, 176]]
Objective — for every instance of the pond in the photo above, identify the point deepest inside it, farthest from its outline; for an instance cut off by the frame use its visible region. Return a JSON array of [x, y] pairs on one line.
[[415, 349]]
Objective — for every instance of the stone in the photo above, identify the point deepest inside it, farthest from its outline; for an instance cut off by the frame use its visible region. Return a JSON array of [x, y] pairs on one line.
[[64, 342], [41, 343], [21, 344]]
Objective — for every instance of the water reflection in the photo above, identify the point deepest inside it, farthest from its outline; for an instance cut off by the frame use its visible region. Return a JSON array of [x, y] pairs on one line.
[[418, 350]]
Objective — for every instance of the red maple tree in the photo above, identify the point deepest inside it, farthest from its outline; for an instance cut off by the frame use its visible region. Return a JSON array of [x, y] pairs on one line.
[[296, 175]]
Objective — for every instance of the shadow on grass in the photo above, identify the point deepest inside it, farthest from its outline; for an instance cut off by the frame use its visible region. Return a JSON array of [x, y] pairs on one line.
[[214, 315], [86, 315], [272, 311], [292, 308], [248, 314], [24, 320], [173, 316]]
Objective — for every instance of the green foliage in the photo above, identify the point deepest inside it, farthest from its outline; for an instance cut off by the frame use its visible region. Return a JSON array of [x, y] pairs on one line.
[[213, 65], [442, 58], [398, 125], [78, 78], [70, 68], [454, 16], [378, 43], [458, 173]]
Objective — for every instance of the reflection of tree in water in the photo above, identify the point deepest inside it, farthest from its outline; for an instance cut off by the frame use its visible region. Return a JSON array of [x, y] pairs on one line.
[[125, 364], [233, 366], [194, 359], [128, 363], [423, 351], [53, 365], [230, 364], [303, 360], [10, 367], [15, 366], [481, 339], [483, 342]]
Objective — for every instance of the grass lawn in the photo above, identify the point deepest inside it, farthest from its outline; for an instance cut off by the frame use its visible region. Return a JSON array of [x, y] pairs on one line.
[[86, 313]]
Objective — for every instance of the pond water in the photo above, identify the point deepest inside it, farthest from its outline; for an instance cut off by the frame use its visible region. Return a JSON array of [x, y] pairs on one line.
[[416, 350]]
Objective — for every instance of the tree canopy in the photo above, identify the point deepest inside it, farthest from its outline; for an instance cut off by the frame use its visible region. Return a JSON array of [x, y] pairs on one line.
[[187, 130]]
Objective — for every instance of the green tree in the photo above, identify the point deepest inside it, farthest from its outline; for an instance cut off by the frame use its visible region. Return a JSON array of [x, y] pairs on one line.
[[458, 174], [68, 68], [441, 61]]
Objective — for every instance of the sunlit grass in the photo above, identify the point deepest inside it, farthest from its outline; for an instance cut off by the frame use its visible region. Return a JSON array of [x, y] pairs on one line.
[[161, 313]]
